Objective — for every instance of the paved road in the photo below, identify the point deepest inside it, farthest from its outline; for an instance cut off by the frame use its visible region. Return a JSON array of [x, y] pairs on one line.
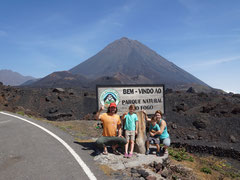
[[28, 152]]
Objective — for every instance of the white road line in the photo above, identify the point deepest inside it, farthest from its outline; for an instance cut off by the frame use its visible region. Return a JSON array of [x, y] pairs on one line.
[[75, 155]]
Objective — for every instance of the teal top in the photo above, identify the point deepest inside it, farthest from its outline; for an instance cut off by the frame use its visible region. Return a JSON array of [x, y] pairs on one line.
[[165, 134], [130, 123], [155, 128]]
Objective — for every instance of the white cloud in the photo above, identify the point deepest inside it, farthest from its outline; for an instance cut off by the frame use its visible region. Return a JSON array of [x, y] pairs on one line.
[[214, 62]]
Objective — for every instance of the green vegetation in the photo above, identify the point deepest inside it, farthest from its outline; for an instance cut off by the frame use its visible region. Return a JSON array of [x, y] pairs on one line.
[[206, 170], [30, 116], [65, 128], [205, 164], [69, 127], [174, 177], [221, 166], [180, 154], [21, 113]]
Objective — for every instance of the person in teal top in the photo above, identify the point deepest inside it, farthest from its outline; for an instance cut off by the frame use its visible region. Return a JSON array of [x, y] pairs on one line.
[[164, 138], [130, 127], [164, 135], [153, 137], [154, 128]]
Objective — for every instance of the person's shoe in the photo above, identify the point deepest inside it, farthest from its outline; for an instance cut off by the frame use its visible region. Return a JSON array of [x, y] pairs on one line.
[[158, 153], [126, 155], [165, 151], [161, 149], [96, 153], [105, 153], [130, 155], [116, 152], [147, 152]]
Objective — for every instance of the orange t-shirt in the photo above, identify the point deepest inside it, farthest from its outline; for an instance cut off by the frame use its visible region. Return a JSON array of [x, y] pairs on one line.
[[110, 124]]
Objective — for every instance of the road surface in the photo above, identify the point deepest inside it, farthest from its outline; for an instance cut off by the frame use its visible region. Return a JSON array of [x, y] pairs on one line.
[[34, 150]]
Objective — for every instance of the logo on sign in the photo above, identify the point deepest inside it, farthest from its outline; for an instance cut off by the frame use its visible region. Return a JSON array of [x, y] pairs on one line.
[[108, 96]]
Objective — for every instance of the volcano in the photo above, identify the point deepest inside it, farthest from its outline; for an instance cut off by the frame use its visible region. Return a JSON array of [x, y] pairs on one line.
[[132, 59]]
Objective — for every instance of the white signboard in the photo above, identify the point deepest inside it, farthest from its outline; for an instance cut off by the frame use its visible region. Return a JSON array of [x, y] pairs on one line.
[[145, 97]]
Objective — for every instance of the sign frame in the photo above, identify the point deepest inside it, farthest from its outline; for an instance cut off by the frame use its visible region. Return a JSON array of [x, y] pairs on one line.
[[131, 85]]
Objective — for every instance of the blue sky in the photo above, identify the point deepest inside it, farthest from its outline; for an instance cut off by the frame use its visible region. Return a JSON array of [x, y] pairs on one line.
[[200, 36]]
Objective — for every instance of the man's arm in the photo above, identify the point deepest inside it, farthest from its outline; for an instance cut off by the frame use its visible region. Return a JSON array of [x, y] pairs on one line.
[[98, 113], [119, 127]]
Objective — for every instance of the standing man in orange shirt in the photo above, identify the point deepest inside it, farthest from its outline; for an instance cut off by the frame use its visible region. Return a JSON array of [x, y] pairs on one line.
[[111, 122]]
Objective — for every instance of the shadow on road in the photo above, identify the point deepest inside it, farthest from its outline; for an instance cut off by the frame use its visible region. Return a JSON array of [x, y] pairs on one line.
[[92, 147], [89, 146]]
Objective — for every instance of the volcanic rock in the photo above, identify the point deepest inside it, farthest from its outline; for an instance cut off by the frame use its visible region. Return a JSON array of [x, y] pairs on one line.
[[182, 107], [184, 171], [236, 95], [236, 110], [143, 173], [200, 124], [174, 126], [151, 178], [191, 90], [58, 90], [233, 139], [191, 137]]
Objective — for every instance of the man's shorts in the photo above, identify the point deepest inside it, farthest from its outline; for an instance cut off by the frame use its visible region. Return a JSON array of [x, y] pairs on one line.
[[153, 140], [130, 135]]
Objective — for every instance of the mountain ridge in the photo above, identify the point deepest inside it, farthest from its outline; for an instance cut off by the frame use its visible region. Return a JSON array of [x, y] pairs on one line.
[[9, 77], [62, 79]]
